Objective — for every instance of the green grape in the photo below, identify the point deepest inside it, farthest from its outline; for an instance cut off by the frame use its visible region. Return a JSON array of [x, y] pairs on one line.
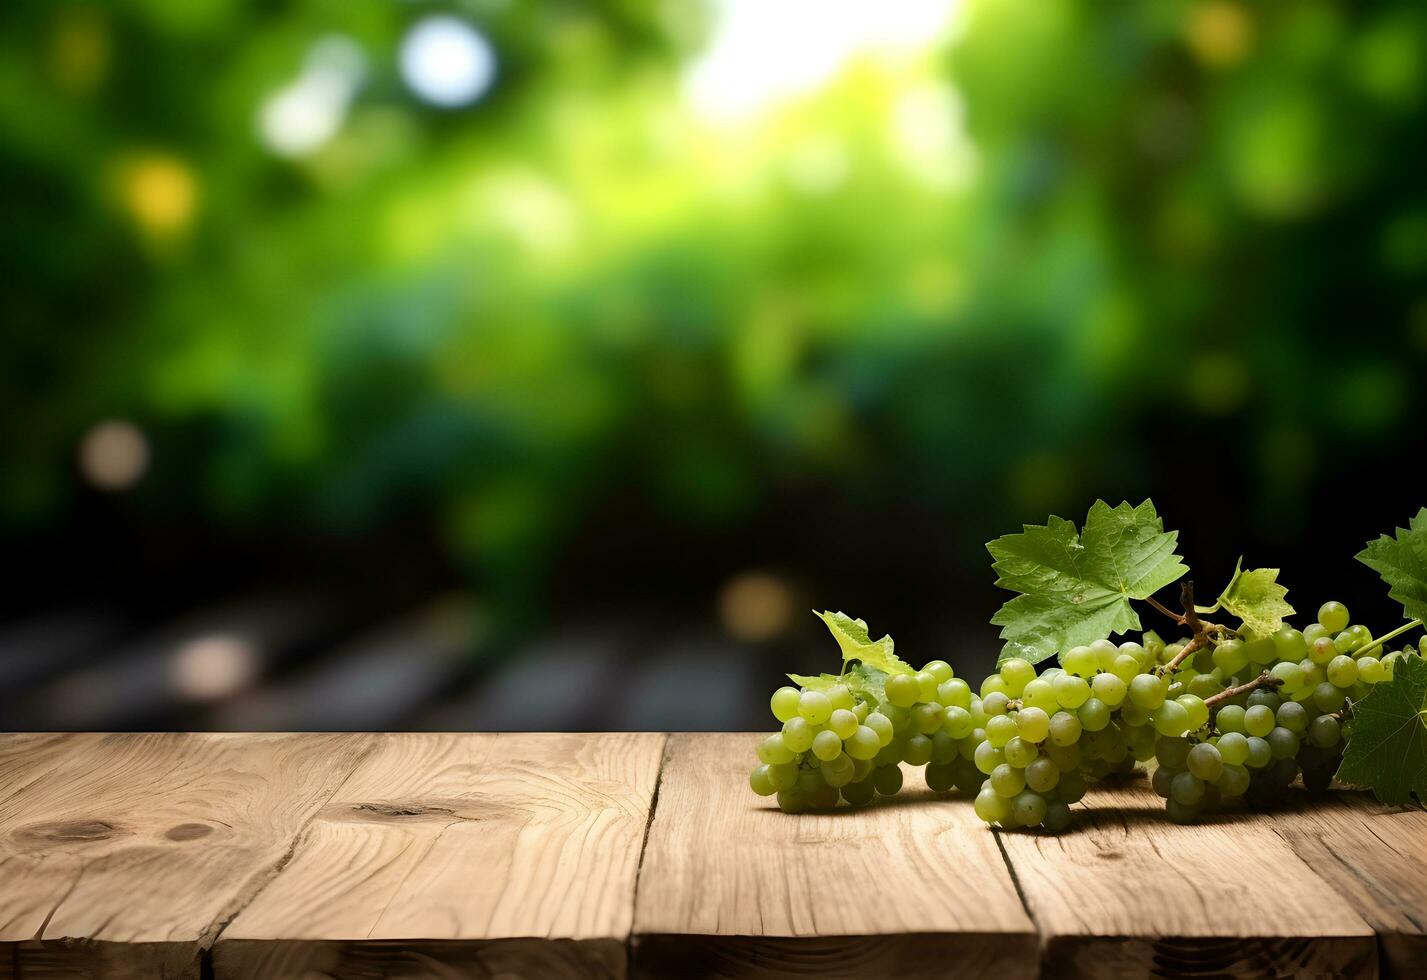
[[1040, 693], [1064, 728], [1032, 724], [840, 697], [815, 707], [1282, 743], [1134, 715], [1017, 673], [1259, 720], [1020, 752], [944, 748], [1195, 710], [1422, 646], [1313, 631], [1205, 685], [881, 726], [1065, 757], [865, 743], [791, 801], [823, 798], [1324, 731], [1370, 670], [762, 782], [798, 734], [1229, 718], [839, 770], [940, 777], [926, 717], [809, 781], [890, 754], [826, 745], [1147, 691], [1363, 634], [1290, 674], [1346, 642], [956, 722], [1290, 644], [967, 747], [941, 670], [861, 709], [1261, 651], [954, 693], [1230, 657], [917, 751], [995, 703], [1000, 729], [1109, 689], [1161, 780], [1186, 789], [842, 722], [1313, 674], [1327, 696], [1182, 812], [1205, 762], [861, 768], [993, 684], [1233, 748], [1322, 650], [783, 777], [1057, 817], [785, 703], [1080, 661], [1028, 809], [1265, 697], [1233, 781], [1042, 775], [772, 750], [1292, 716], [1171, 752], [1094, 715], [1170, 718], [992, 807], [902, 690], [1071, 691], [1127, 666], [860, 792], [988, 757], [1007, 780], [1260, 754], [887, 780], [927, 684], [1142, 739], [1333, 616]]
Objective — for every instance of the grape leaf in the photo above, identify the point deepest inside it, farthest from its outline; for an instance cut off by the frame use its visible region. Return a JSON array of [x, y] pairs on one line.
[[1387, 751], [1257, 599], [1076, 587], [859, 679], [1402, 563], [852, 636]]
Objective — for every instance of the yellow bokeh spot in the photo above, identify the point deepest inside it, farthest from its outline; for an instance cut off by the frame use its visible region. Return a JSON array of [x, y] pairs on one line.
[[1220, 34], [160, 193]]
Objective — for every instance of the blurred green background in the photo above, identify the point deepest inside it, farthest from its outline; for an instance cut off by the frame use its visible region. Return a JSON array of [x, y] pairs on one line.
[[526, 364]]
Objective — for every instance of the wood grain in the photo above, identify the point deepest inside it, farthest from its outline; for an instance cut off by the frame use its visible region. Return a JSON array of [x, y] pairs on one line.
[[1126, 893], [1376, 858], [123, 855], [459, 850], [731, 886]]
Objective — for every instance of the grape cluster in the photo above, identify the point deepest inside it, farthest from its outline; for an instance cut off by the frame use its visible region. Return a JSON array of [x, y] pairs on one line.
[[847, 741]]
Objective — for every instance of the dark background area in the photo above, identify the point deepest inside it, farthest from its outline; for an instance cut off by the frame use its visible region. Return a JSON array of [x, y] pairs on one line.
[[501, 365]]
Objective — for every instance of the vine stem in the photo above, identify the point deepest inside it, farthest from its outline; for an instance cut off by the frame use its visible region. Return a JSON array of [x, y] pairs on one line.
[[1202, 627], [1166, 610], [1262, 680], [1190, 649], [1383, 639]]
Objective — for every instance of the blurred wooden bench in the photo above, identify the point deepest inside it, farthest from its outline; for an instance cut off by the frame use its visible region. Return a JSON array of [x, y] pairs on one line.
[[539, 855]]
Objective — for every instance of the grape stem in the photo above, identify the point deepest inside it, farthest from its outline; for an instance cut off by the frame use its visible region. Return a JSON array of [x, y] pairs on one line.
[[1202, 628], [1368, 647], [1262, 680]]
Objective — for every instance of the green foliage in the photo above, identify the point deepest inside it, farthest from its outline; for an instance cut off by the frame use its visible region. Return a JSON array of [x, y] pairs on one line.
[[1076, 587], [857, 644], [1257, 599], [1387, 751], [1401, 560]]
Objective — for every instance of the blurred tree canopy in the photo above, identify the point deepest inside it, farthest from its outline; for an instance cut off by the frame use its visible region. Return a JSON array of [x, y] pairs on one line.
[[1059, 249]]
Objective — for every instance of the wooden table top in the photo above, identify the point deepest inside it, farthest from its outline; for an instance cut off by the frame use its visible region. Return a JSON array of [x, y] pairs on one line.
[[412, 855]]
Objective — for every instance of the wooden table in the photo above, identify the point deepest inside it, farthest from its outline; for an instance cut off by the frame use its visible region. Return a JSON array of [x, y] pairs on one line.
[[606, 855]]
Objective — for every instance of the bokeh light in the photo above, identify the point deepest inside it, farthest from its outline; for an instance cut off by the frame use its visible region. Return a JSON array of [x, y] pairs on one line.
[[113, 455], [447, 62]]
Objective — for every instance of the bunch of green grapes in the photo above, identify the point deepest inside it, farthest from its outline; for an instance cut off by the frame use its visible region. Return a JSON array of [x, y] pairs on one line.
[[837, 744]]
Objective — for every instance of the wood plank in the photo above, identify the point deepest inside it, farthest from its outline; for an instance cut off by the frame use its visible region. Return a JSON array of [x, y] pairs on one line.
[[451, 853], [1128, 893], [914, 886], [1376, 858], [142, 846]]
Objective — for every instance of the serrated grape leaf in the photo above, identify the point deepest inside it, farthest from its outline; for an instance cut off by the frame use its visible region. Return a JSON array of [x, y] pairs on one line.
[[819, 682], [1076, 587], [1257, 599], [1387, 751], [859, 679], [1402, 563], [852, 636]]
